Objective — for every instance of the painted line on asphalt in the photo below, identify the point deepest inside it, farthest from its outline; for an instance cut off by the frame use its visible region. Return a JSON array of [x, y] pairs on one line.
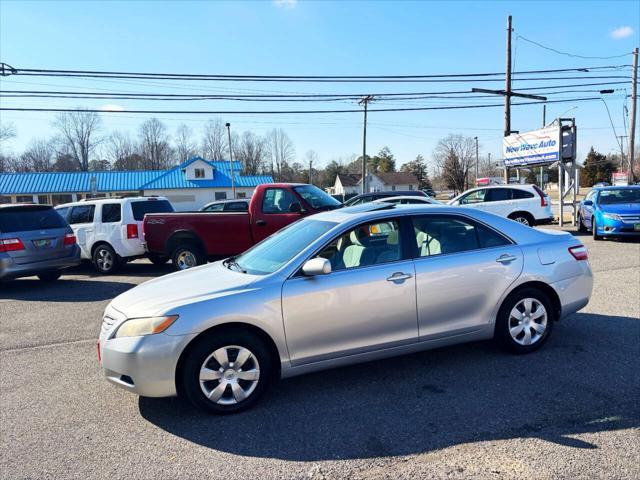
[[48, 345]]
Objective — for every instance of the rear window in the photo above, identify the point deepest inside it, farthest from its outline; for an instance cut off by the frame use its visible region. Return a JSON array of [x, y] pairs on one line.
[[25, 220], [518, 194], [140, 209]]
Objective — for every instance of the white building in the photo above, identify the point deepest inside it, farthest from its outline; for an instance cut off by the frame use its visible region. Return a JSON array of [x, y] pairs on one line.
[[351, 183], [188, 186]]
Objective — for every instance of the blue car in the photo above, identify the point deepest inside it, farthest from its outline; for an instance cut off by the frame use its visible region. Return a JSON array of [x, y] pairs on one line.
[[611, 212]]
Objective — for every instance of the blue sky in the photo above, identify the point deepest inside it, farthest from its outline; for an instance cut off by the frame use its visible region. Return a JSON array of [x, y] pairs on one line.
[[314, 38]]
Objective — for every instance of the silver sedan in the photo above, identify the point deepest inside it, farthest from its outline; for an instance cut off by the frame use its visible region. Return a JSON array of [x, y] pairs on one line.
[[337, 288]]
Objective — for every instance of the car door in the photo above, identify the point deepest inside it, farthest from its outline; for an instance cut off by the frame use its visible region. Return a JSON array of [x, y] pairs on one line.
[[462, 270], [81, 221], [366, 303], [587, 210], [278, 210]]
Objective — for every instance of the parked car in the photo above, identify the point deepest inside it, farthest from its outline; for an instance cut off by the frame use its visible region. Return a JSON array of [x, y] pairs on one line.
[[408, 200], [191, 239], [430, 192], [337, 288], [109, 231], [526, 204], [371, 196], [35, 240], [611, 212], [238, 205], [601, 184]]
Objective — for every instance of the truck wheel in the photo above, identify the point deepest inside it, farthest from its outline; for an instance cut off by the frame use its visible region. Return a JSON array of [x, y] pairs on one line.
[[105, 259], [187, 255]]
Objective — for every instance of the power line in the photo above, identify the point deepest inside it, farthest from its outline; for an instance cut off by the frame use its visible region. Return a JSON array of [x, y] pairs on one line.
[[572, 54]]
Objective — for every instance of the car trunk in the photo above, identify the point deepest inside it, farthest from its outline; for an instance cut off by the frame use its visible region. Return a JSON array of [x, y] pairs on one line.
[[39, 245]]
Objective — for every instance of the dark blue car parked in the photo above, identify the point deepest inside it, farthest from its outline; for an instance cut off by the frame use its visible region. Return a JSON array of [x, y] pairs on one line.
[[611, 212]]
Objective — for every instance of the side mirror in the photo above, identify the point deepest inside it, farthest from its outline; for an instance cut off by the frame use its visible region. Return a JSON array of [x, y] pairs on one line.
[[587, 203], [316, 266], [295, 207]]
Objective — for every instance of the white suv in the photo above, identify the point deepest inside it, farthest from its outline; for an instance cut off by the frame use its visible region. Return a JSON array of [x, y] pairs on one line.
[[526, 204], [109, 231]]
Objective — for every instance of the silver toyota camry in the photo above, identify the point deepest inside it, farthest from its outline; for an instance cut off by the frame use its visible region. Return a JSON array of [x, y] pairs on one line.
[[337, 288]]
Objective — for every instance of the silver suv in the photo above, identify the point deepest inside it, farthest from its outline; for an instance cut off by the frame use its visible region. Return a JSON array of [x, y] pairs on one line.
[[35, 240]]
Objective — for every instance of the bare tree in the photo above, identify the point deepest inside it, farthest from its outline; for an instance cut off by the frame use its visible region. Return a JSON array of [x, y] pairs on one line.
[[251, 150], [39, 156], [214, 141], [281, 150], [455, 157], [118, 146], [7, 132], [154, 144], [185, 148], [78, 130]]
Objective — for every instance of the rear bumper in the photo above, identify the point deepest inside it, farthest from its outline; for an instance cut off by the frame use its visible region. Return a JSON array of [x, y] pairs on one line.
[[10, 269], [574, 292], [545, 221]]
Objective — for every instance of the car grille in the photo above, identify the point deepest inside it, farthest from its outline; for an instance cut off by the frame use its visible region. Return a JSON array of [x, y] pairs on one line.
[[630, 218]]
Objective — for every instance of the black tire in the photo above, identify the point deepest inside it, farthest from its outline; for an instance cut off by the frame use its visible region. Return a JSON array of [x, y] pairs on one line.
[[594, 231], [105, 260], [187, 255], [504, 322], [581, 227], [204, 349], [158, 259], [523, 218], [49, 276]]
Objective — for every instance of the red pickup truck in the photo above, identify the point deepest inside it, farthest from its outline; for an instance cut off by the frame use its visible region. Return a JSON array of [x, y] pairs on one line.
[[192, 238]]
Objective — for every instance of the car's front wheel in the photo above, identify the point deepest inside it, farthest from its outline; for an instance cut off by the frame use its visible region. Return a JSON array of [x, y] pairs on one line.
[[524, 321], [581, 226], [227, 372], [594, 229]]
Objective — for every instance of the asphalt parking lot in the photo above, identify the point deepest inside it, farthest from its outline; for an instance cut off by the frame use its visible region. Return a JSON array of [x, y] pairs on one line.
[[571, 410]]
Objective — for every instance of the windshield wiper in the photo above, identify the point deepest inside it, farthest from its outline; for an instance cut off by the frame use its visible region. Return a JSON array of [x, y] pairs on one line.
[[231, 262]]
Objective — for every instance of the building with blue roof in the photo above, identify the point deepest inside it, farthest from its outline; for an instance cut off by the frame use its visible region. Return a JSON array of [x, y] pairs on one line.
[[188, 186]]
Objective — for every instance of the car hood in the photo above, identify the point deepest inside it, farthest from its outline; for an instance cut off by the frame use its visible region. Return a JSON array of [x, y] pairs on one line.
[[620, 208], [162, 295]]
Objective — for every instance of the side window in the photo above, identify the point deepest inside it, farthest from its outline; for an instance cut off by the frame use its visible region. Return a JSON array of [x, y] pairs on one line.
[[437, 235], [216, 207], [488, 238], [368, 244], [236, 207], [498, 194], [81, 214], [111, 213], [63, 212], [476, 196], [278, 200], [520, 194]]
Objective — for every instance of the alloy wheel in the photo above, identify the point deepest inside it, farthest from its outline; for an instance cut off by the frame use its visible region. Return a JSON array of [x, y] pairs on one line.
[[104, 260], [528, 321], [523, 220], [229, 375], [186, 260]]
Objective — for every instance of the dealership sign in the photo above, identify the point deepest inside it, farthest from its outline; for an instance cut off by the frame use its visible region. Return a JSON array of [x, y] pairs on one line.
[[532, 148]]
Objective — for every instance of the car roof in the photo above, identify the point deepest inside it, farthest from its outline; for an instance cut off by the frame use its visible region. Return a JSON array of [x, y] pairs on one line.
[[228, 200], [620, 187], [99, 201], [24, 206], [419, 198]]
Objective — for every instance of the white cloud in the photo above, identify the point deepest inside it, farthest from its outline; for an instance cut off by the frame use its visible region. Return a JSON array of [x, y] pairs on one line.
[[285, 3], [622, 32], [111, 107]]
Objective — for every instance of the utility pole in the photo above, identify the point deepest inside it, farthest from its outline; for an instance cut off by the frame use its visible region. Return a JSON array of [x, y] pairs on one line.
[[632, 125], [544, 124], [310, 168], [477, 160], [365, 102], [233, 186]]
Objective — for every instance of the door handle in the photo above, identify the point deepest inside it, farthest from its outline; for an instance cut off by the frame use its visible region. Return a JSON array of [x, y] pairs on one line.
[[260, 223], [399, 277], [506, 258]]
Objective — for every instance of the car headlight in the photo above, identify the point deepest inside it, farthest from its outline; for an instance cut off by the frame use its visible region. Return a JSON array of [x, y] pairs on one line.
[[136, 327], [612, 216]]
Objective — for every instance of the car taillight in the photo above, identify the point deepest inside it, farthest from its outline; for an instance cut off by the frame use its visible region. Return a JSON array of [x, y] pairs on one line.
[[543, 198], [11, 245], [132, 230], [579, 252], [69, 239]]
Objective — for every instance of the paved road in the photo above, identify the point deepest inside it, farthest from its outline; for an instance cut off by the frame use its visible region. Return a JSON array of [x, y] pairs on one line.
[[571, 410]]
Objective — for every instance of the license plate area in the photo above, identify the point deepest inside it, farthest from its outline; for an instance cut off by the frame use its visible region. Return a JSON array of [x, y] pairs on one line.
[[42, 243], [636, 227]]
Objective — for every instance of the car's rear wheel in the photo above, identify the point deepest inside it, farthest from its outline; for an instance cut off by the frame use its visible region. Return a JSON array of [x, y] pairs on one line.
[[594, 229], [49, 276], [227, 372], [525, 321], [523, 218], [187, 255], [105, 259]]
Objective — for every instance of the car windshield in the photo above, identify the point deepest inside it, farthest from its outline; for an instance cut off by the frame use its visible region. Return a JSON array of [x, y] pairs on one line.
[[622, 195], [315, 197], [273, 252]]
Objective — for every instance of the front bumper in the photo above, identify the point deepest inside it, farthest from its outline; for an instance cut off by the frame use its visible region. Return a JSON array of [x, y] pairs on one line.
[[10, 269], [615, 228], [143, 365]]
